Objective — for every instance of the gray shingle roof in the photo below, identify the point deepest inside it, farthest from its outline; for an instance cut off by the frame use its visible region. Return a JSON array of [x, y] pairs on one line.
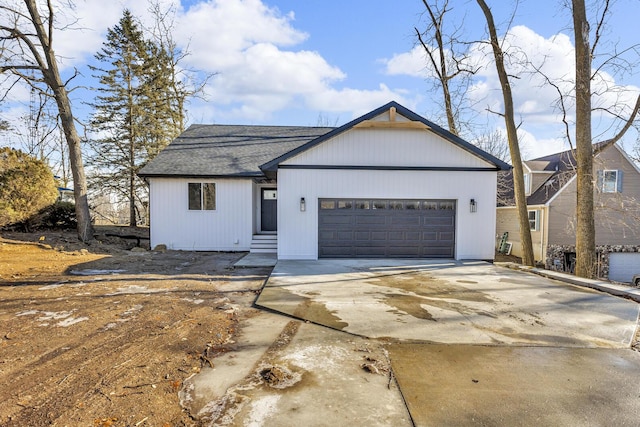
[[561, 167], [228, 150]]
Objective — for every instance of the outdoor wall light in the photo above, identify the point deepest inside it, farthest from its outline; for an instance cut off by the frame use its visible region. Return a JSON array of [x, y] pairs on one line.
[[303, 205], [473, 205]]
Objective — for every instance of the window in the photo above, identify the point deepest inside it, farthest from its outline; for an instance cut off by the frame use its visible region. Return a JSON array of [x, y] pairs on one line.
[[527, 183], [202, 196], [328, 204], [362, 204], [379, 204], [345, 204], [610, 181], [534, 222]]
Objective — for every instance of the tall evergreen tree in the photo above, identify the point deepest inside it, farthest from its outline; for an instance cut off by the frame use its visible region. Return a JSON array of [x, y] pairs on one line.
[[138, 110], [119, 112]]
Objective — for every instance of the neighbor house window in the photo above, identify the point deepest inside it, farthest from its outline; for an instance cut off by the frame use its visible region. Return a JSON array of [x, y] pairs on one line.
[[202, 196], [527, 183], [534, 220], [610, 181]]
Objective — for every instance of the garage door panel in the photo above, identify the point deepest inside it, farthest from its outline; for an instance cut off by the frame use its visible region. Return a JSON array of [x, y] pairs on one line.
[[336, 251], [445, 236], [362, 235], [437, 221], [426, 229], [412, 235], [396, 235], [379, 235], [371, 251], [344, 235], [369, 220], [405, 220], [408, 252], [337, 219]]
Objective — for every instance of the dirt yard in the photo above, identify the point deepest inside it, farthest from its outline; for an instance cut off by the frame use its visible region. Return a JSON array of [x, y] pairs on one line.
[[100, 335]]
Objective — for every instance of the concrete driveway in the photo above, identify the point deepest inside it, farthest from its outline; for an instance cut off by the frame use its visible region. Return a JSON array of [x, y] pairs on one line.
[[448, 302], [475, 344]]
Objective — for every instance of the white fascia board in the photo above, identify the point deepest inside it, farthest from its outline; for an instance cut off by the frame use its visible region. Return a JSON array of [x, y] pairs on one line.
[[626, 156]]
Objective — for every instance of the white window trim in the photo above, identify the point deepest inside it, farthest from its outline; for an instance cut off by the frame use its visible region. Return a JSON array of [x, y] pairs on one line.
[[536, 220], [527, 183], [604, 181]]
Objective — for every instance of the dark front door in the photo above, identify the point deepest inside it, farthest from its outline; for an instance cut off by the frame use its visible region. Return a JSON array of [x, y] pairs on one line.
[[269, 209]]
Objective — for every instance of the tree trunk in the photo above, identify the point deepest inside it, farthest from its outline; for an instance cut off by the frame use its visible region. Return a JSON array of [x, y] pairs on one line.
[[512, 136], [52, 78], [585, 231]]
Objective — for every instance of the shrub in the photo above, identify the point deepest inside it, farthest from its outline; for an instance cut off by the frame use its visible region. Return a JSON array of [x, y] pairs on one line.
[[26, 186]]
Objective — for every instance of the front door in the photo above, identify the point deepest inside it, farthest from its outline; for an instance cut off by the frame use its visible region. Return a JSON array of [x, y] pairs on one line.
[[269, 209]]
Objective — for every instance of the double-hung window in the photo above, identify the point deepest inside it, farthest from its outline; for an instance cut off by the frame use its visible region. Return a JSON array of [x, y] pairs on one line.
[[534, 220], [202, 196], [610, 181], [527, 183]]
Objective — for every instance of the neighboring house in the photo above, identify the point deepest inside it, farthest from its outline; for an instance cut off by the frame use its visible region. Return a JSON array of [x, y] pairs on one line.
[[550, 186], [388, 184]]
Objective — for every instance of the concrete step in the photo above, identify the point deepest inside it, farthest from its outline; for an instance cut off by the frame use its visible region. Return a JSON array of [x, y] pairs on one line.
[[263, 250], [264, 243], [265, 237]]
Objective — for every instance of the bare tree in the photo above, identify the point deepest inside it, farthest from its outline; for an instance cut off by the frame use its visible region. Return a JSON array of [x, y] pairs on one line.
[[494, 143], [448, 63], [26, 49], [584, 52], [512, 137]]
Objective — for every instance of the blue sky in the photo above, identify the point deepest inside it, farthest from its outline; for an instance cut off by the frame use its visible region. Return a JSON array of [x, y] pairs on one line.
[[295, 62]]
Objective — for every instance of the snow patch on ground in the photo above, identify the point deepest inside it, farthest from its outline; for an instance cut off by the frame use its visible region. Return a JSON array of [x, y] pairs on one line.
[[95, 272], [195, 301], [261, 409], [53, 286], [135, 289], [27, 313], [64, 317], [71, 321], [133, 310], [311, 357], [54, 315]]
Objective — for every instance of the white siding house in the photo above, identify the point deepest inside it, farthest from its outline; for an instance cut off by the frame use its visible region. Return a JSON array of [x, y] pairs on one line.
[[388, 184]]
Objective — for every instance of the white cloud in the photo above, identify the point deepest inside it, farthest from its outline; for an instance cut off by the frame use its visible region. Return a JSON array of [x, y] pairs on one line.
[[533, 58], [357, 101], [412, 63]]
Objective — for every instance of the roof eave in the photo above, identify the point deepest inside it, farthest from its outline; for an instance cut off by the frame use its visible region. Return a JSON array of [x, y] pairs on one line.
[[499, 164], [203, 176]]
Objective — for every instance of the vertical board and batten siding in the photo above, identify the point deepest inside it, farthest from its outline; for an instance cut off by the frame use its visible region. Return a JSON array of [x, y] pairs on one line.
[[174, 225], [387, 147], [298, 231]]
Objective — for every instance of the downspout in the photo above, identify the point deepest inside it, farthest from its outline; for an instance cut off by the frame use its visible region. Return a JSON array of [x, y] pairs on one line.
[[544, 237]]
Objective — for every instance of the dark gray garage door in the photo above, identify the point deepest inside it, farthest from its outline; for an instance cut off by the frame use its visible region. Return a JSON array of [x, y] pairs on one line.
[[386, 228]]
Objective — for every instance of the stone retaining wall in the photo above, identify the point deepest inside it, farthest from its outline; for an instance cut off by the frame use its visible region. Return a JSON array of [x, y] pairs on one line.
[[557, 257]]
